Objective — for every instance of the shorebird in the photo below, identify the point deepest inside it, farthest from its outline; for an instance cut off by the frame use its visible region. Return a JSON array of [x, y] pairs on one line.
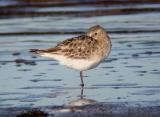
[[81, 53]]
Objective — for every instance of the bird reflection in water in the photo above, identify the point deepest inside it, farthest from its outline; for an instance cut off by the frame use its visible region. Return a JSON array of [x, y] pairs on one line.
[[82, 101], [75, 105]]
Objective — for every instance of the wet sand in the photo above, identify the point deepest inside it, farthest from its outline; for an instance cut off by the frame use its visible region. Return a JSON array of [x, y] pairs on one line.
[[94, 110]]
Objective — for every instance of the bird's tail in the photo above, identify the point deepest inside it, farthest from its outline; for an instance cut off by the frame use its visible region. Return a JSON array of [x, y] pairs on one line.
[[37, 51]]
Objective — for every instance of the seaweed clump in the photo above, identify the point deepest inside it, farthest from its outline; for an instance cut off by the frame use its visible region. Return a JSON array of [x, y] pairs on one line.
[[33, 113]]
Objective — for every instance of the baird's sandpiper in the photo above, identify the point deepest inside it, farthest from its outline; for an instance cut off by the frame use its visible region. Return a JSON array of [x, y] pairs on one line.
[[80, 53]]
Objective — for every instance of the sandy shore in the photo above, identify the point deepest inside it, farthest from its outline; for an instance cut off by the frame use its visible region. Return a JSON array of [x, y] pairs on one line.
[[121, 109]]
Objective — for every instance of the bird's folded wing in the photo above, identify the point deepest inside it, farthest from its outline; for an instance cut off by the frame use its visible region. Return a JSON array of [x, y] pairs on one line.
[[80, 47]]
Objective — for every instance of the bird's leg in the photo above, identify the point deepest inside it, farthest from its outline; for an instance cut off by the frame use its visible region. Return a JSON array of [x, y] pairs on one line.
[[81, 75], [82, 92]]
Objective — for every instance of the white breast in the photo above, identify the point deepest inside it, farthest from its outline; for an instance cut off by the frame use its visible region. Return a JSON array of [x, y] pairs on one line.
[[77, 64]]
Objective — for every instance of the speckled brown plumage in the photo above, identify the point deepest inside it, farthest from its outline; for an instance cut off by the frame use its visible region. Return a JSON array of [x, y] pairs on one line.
[[80, 47]]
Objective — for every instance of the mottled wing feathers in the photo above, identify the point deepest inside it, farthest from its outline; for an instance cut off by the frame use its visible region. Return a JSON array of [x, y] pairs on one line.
[[80, 47]]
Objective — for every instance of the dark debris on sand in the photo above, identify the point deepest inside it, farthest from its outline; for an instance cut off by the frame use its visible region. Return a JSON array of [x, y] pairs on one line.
[[111, 110], [93, 110], [33, 113]]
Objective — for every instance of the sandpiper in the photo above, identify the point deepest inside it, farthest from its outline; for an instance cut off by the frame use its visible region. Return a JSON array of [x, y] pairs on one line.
[[80, 53]]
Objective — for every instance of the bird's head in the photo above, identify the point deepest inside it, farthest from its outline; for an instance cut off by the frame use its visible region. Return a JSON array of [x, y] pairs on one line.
[[97, 32]]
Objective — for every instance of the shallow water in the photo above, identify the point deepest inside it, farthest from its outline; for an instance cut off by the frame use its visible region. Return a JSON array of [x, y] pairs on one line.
[[130, 74]]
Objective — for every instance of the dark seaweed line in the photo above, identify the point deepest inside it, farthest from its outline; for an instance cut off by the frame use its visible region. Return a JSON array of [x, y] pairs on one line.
[[38, 33], [146, 48], [96, 86], [9, 14], [111, 86], [131, 57], [116, 87], [78, 3], [74, 32], [24, 60]]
